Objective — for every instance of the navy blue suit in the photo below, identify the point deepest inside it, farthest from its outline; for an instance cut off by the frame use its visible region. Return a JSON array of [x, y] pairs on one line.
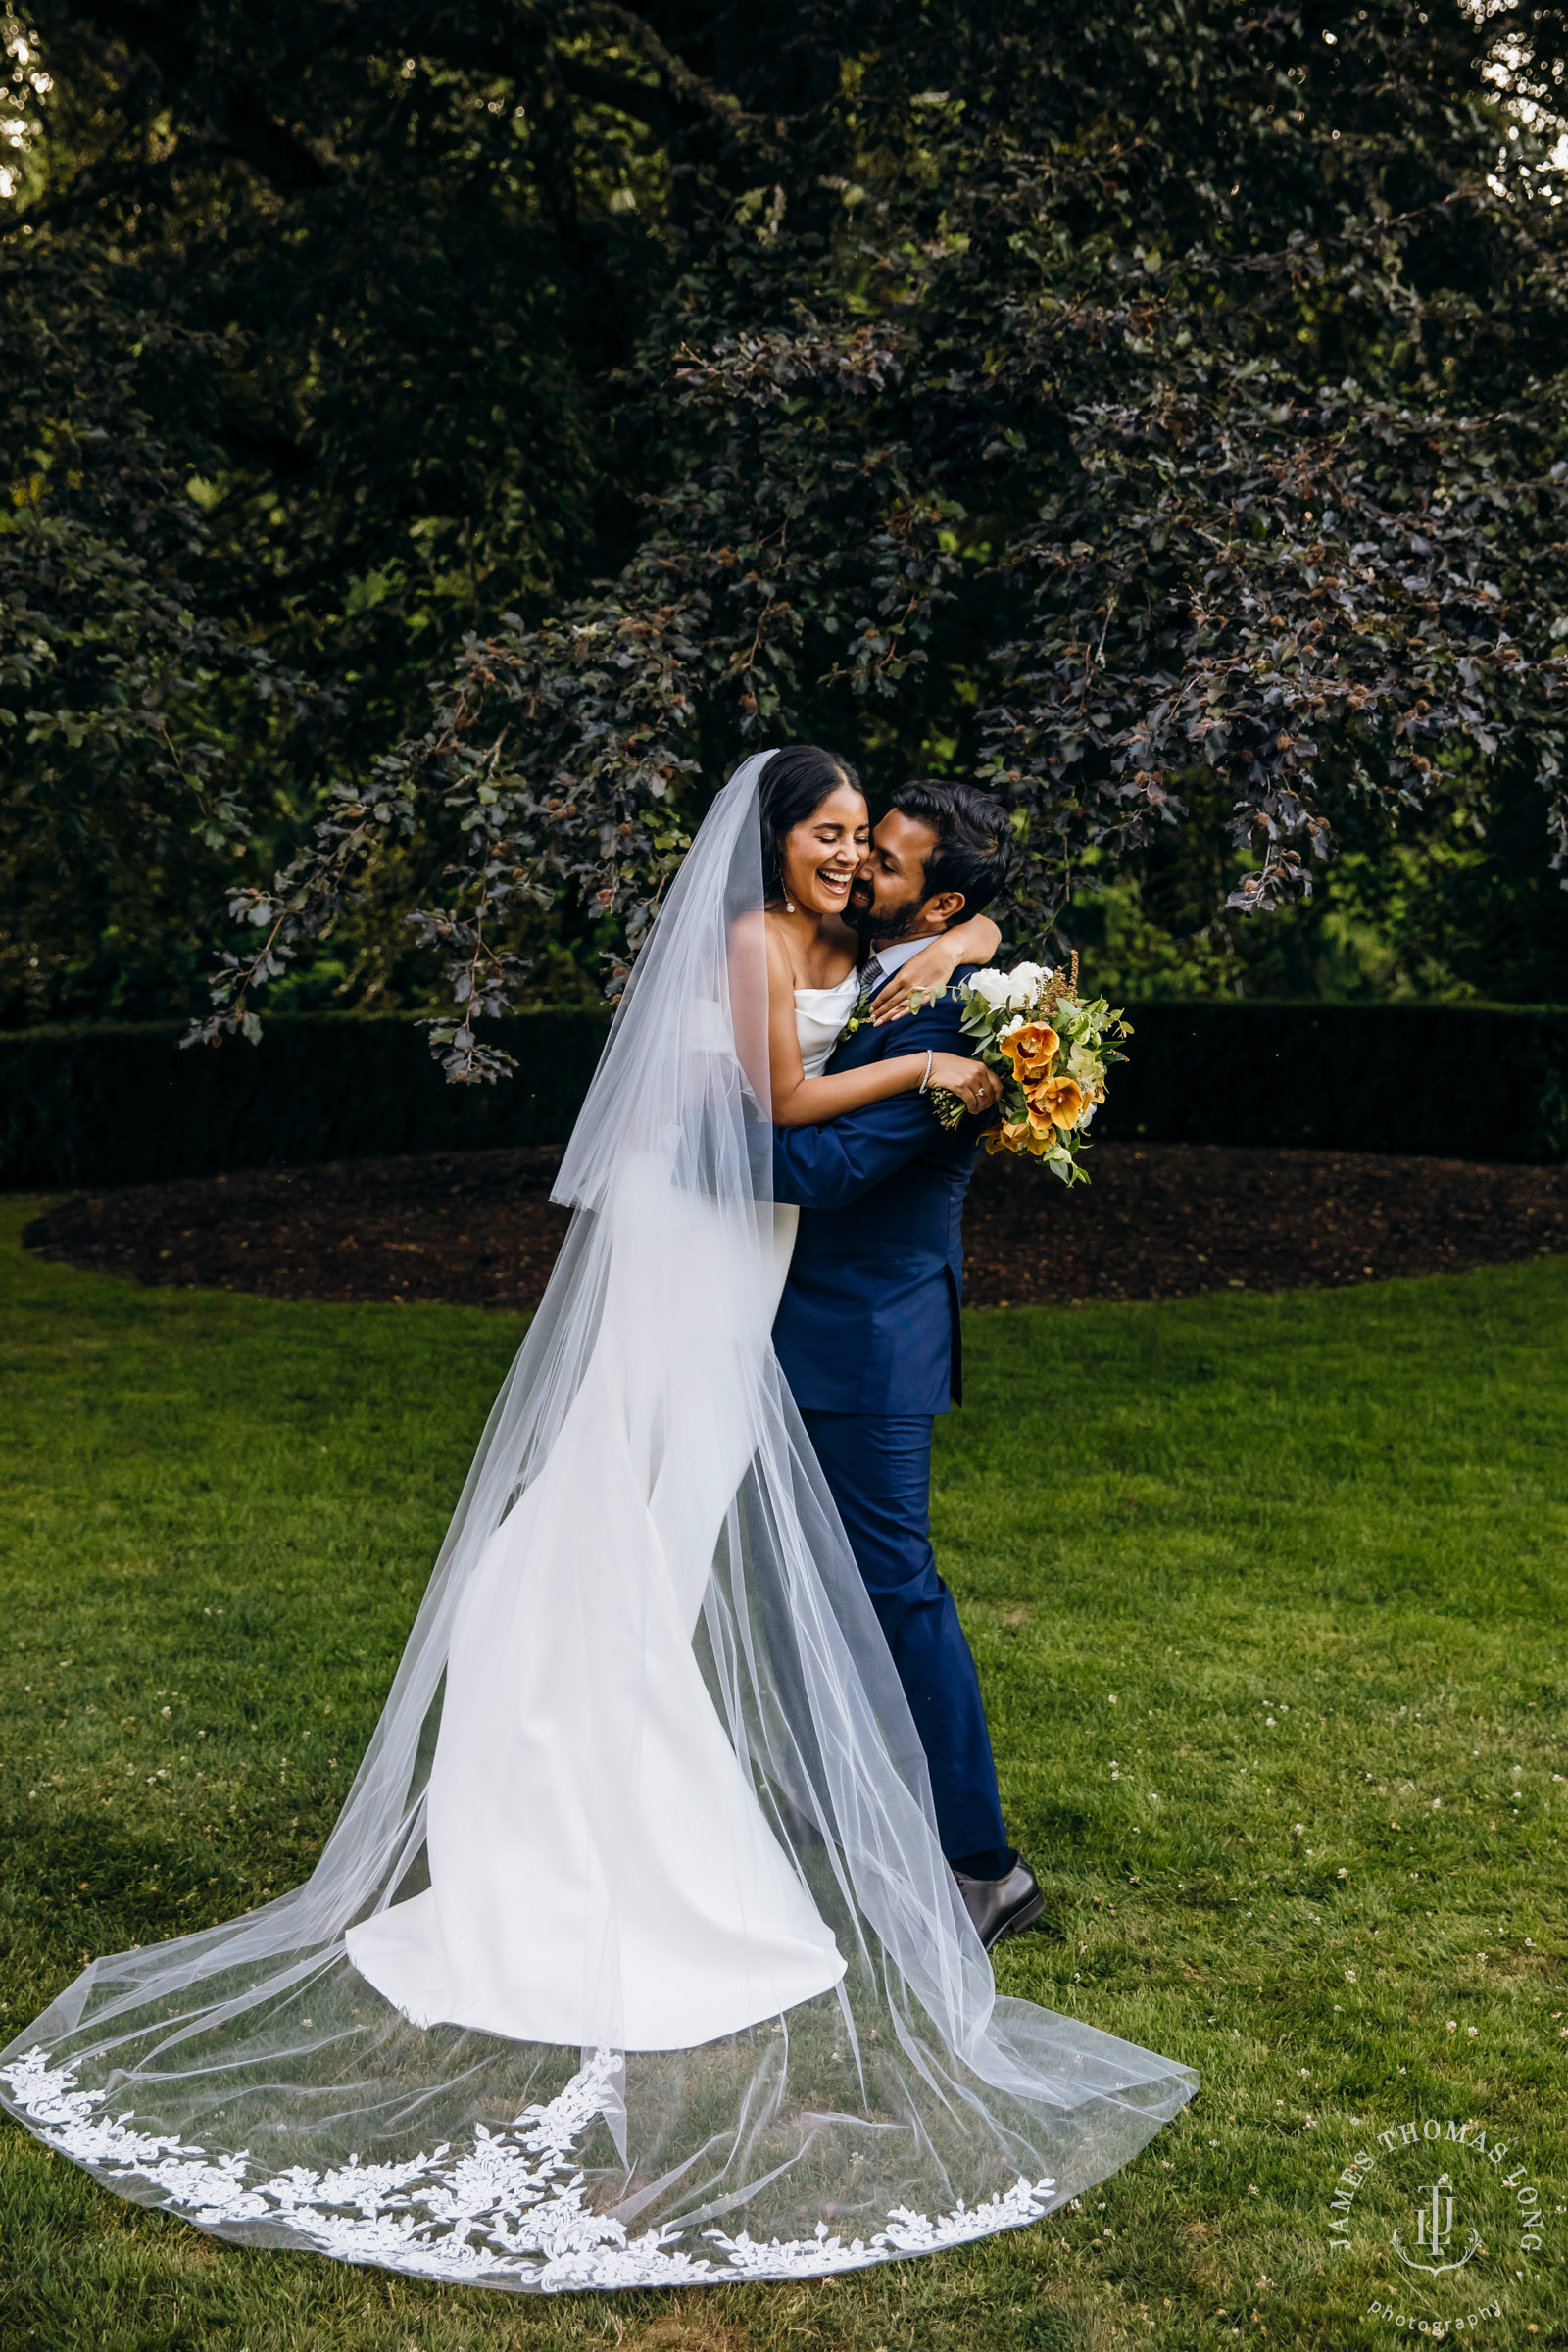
[[868, 1337]]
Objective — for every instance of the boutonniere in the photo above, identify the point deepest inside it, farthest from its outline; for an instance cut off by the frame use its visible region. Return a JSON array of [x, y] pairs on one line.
[[858, 1017]]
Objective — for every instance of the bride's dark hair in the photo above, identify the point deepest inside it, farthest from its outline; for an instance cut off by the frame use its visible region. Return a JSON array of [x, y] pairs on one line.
[[795, 781]]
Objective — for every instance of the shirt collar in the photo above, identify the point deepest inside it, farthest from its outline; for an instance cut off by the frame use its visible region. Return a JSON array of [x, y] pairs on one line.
[[901, 949]]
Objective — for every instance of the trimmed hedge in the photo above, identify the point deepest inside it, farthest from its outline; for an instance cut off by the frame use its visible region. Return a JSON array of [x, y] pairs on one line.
[[117, 1103], [1453, 1081]]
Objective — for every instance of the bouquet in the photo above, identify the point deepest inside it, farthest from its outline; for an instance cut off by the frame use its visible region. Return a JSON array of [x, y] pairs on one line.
[[1050, 1049]]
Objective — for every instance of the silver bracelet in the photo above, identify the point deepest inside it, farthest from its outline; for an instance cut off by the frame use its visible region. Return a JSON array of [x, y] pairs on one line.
[[926, 1080]]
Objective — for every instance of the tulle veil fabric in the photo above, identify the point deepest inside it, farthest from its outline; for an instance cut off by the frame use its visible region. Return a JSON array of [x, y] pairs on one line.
[[645, 1673]]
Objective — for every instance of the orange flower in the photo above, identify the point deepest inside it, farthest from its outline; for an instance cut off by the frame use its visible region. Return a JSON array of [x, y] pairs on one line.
[[1012, 1135], [1059, 1100], [1031, 1051]]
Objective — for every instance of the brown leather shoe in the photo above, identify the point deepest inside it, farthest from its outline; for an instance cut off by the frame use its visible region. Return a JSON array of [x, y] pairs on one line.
[[1001, 1906]]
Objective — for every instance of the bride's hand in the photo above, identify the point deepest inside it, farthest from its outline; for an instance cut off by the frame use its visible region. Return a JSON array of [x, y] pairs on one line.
[[978, 1088], [929, 971]]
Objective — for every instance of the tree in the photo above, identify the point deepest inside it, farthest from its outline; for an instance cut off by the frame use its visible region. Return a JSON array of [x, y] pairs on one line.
[[1156, 416], [332, 294]]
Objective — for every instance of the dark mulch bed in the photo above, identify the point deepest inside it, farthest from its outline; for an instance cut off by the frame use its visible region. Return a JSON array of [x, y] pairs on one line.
[[1158, 1221]]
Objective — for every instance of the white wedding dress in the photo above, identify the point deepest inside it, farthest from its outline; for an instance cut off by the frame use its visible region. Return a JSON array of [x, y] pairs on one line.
[[633, 1958], [819, 1017], [571, 1901]]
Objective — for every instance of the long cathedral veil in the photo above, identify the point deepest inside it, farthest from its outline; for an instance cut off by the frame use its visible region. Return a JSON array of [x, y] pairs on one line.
[[646, 1563]]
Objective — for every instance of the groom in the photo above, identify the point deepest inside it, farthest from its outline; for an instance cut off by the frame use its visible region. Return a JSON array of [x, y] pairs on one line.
[[867, 1331]]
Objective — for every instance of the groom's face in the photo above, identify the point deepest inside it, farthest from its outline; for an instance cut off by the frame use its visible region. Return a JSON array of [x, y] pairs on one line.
[[887, 896]]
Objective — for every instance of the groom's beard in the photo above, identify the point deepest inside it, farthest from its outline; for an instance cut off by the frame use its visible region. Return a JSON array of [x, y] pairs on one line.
[[889, 925]]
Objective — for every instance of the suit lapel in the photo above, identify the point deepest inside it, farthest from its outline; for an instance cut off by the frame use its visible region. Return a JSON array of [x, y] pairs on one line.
[[869, 1044]]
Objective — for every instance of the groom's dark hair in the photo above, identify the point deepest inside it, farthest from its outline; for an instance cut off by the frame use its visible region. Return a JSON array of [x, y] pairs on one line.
[[973, 850]]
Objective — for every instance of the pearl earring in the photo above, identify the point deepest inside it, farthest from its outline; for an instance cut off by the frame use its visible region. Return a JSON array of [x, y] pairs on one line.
[[789, 906]]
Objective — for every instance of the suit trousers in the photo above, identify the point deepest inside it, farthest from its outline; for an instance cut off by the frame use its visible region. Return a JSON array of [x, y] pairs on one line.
[[878, 1468]]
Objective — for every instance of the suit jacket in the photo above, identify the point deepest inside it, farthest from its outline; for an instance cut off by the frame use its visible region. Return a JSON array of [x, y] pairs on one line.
[[869, 1321]]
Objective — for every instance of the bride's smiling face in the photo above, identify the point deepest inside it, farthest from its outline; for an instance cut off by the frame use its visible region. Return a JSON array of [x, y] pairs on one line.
[[819, 857]]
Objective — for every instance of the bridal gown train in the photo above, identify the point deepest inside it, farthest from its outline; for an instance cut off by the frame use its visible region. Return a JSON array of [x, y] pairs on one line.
[[633, 1958]]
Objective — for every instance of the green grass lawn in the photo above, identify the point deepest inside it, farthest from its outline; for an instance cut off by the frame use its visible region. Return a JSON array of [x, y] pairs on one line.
[[1267, 1595]]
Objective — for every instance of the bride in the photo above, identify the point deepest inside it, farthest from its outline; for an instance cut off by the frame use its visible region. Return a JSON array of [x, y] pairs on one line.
[[633, 1958]]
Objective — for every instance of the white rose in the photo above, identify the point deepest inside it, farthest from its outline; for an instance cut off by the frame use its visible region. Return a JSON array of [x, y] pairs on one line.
[[1023, 984], [992, 984]]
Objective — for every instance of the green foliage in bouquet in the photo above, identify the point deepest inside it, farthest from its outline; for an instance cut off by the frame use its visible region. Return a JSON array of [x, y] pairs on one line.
[[1050, 1049]]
